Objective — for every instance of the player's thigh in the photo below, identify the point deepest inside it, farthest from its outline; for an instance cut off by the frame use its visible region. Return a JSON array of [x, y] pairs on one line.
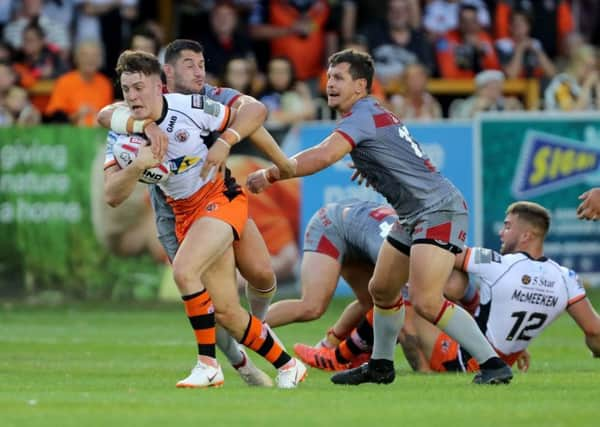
[[252, 256], [390, 274], [430, 268], [358, 274], [205, 241], [319, 276]]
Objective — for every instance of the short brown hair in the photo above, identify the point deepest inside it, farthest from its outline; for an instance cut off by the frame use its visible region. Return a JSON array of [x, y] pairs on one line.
[[534, 214], [131, 61], [361, 64]]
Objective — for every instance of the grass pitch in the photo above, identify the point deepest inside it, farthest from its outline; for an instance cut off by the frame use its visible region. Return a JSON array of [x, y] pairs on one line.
[[107, 365]]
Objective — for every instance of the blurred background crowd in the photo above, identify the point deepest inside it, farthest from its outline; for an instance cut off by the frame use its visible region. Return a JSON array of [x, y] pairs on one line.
[[434, 58]]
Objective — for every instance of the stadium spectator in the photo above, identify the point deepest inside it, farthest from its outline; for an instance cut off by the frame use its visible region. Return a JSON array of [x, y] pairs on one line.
[[295, 29], [288, 100], [36, 58], [521, 55], [488, 97], [441, 16], [108, 22], [37, 61], [145, 39], [586, 15], [415, 103], [589, 208], [552, 21], [18, 106], [577, 89], [224, 40], [421, 244], [466, 51], [240, 74], [80, 94], [394, 44], [57, 32], [8, 79]]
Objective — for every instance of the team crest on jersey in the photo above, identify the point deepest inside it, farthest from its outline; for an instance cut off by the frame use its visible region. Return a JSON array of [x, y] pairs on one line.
[[182, 135], [526, 279], [182, 164]]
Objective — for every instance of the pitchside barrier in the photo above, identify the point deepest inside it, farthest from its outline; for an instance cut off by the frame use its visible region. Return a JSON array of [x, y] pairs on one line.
[[49, 247], [549, 159]]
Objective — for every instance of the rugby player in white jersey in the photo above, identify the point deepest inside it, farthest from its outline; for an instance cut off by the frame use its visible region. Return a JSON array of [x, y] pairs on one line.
[[185, 73], [210, 212]]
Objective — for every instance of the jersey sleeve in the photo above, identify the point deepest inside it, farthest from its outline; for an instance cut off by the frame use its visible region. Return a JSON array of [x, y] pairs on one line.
[[225, 95], [211, 115], [109, 157], [575, 288], [484, 263], [355, 128]]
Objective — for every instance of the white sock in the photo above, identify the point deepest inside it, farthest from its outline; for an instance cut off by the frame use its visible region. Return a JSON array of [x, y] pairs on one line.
[[260, 300]]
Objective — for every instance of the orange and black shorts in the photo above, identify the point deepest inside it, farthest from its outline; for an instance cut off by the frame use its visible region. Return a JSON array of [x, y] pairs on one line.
[[214, 200], [448, 356]]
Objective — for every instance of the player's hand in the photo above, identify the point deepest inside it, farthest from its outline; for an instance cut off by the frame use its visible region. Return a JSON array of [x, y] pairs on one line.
[[215, 159], [287, 169], [357, 176], [523, 361], [159, 141], [257, 181], [589, 208], [145, 158]]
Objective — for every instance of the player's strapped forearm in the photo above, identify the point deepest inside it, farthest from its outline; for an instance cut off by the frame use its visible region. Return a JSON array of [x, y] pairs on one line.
[[229, 137], [121, 121]]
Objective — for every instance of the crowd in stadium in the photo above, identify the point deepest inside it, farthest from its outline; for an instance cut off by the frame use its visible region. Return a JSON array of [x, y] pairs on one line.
[[57, 57]]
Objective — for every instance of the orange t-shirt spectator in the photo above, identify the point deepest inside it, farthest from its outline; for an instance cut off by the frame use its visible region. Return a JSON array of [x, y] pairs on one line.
[[296, 30], [78, 95], [464, 52], [552, 21]]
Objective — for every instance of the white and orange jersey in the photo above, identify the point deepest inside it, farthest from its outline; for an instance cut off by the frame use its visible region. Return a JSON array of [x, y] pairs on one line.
[[520, 295], [187, 120]]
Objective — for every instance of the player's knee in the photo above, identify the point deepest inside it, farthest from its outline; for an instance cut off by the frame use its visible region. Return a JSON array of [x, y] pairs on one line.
[[183, 274], [312, 310], [380, 294], [425, 306], [261, 277], [225, 315]]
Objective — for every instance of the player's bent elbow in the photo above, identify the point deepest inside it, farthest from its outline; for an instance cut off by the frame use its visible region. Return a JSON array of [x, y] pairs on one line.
[[103, 117]]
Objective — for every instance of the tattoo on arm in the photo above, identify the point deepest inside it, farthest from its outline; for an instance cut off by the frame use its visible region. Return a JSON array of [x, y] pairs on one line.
[[410, 346]]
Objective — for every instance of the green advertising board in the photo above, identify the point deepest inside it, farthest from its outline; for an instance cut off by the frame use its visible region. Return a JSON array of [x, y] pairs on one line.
[[549, 159], [48, 240]]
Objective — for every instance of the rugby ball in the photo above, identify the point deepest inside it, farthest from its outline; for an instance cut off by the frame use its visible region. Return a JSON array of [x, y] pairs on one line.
[[125, 150]]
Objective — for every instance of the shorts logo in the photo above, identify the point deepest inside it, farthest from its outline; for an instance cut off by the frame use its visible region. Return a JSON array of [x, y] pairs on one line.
[[182, 135], [445, 346], [462, 235], [526, 280], [211, 207]]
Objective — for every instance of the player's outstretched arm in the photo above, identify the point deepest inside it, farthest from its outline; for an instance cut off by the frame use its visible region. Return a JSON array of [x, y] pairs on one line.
[[120, 183], [117, 117], [308, 162], [588, 320], [265, 142]]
